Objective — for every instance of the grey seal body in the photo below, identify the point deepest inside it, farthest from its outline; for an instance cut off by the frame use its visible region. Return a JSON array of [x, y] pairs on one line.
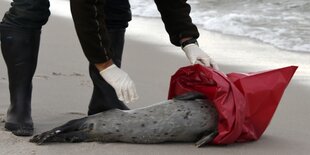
[[186, 118]]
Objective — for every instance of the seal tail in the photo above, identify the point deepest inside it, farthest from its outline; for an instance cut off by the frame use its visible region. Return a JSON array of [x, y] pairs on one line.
[[72, 131]]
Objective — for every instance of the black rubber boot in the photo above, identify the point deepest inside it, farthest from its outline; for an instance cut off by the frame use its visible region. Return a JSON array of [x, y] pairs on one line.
[[20, 51], [104, 96]]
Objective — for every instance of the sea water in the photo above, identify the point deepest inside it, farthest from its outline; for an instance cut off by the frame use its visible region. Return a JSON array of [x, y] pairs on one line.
[[282, 23]]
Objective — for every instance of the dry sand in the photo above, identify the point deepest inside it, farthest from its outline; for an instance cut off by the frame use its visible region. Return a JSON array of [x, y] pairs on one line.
[[62, 89]]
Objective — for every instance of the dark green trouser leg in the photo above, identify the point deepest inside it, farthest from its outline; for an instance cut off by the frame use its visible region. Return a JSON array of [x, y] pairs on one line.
[[20, 51], [104, 96]]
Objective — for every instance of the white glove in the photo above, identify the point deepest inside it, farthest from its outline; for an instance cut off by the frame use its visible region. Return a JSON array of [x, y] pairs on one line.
[[196, 55], [121, 82]]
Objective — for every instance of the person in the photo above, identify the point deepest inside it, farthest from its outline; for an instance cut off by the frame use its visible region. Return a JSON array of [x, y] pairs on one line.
[[102, 43], [20, 31], [92, 30]]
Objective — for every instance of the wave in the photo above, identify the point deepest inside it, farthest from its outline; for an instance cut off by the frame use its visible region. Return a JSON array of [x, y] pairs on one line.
[[282, 23]]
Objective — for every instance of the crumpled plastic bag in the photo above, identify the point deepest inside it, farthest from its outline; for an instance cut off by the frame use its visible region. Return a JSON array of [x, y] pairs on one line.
[[245, 102]]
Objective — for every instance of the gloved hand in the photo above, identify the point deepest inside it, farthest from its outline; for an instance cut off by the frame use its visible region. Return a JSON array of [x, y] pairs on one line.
[[196, 55], [121, 82]]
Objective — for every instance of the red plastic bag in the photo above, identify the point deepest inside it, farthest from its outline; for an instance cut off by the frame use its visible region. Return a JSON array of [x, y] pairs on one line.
[[245, 102]]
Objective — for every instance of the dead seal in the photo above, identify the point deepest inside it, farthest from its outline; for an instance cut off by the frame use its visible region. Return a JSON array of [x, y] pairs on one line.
[[186, 118]]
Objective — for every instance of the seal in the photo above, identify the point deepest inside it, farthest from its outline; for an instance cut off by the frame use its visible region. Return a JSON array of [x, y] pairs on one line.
[[186, 118]]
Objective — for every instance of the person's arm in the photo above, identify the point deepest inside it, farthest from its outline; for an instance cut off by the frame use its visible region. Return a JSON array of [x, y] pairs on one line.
[[91, 29], [181, 30], [178, 23], [89, 21]]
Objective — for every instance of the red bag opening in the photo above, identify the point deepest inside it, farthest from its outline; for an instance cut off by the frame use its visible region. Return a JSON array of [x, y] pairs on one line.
[[245, 102]]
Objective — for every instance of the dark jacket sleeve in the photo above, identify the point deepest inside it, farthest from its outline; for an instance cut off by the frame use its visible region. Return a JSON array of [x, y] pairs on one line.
[[178, 23], [89, 21]]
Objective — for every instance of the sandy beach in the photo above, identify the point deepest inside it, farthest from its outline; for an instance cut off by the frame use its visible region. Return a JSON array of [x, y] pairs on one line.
[[62, 89]]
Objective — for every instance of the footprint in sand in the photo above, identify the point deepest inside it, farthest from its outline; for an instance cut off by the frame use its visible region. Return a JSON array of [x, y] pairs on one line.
[[57, 74], [73, 74], [76, 113], [76, 74], [45, 77]]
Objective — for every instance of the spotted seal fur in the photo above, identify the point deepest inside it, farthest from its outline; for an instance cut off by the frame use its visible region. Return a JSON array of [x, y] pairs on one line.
[[186, 118]]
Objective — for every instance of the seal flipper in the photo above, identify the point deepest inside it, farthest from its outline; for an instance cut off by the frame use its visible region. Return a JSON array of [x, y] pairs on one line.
[[190, 96], [71, 137], [207, 138], [73, 125]]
